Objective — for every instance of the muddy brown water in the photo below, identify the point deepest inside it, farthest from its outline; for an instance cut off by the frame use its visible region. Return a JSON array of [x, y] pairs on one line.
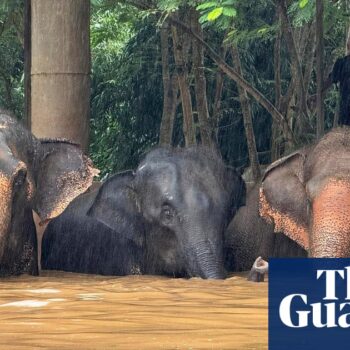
[[72, 311]]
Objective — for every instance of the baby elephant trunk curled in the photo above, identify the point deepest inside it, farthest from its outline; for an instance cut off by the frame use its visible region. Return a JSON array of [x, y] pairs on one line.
[[330, 236]]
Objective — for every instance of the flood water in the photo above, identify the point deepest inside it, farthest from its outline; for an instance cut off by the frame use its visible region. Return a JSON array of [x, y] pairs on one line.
[[72, 311]]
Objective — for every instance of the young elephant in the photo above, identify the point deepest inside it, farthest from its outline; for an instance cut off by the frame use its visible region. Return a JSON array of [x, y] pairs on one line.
[[43, 175], [166, 218], [249, 236], [307, 195]]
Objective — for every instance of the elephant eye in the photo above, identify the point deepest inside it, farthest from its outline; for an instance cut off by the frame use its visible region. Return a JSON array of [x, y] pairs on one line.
[[167, 214]]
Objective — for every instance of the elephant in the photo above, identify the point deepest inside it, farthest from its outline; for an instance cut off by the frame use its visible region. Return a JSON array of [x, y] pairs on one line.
[[306, 195], [249, 236], [40, 175], [165, 218]]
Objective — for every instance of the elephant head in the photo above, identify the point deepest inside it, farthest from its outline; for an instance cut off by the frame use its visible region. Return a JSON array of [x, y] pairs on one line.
[[186, 194], [307, 195], [63, 172], [34, 175]]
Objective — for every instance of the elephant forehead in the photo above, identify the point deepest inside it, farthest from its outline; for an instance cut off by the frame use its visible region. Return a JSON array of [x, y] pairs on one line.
[[196, 199], [162, 175], [157, 167], [327, 164]]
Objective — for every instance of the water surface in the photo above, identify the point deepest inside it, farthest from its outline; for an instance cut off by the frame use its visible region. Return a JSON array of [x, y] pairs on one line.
[[72, 311]]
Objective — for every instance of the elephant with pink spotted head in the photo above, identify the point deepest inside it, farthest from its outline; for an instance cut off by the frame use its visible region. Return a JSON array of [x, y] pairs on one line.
[[306, 195]]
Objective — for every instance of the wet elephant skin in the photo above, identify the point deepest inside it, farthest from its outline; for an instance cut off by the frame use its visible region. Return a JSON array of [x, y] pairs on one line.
[[166, 217], [39, 175]]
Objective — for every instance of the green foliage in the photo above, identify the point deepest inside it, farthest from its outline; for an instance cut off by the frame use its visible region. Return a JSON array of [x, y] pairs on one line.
[[214, 14], [173, 5], [302, 12], [127, 90], [126, 99], [126, 94], [303, 3], [11, 56], [213, 10], [169, 6]]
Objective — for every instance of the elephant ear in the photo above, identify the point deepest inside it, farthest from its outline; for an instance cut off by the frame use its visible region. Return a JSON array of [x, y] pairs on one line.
[[116, 206], [283, 199], [63, 173]]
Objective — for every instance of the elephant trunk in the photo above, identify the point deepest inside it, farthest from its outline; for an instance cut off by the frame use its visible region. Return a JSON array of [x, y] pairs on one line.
[[331, 224], [5, 210], [206, 260], [15, 172]]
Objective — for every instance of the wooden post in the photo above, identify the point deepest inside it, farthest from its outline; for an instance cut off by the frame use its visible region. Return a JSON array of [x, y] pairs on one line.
[[60, 73]]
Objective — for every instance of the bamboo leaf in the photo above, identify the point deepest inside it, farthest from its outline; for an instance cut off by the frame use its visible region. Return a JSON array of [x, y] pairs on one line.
[[214, 14], [207, 5], [229, 11], [303, 3], [228, 2], [203, 19]]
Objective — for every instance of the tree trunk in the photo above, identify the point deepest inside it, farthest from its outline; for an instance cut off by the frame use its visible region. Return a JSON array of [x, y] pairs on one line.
[[296, 67], [170, 90], [219, 86], [182, 75], [200, 84], [309, 57], [27, 63], [60, 71], [215, 118], [319, 68], [232, 74], [346, 8], [276, 131], [247, 119]]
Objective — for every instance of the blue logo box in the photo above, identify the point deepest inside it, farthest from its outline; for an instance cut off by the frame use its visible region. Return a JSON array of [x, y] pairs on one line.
[[309, 304]]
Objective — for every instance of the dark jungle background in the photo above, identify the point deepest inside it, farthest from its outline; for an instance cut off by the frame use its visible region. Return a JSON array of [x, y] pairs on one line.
[[158, 75]]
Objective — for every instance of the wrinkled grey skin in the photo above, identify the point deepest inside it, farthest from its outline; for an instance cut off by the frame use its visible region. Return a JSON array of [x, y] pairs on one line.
[[249, 236], [40, 175], [180, 202], [76, 242]]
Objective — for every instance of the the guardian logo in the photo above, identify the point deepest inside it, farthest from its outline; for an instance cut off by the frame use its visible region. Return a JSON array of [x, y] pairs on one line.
[[314, 314], [309, 304]]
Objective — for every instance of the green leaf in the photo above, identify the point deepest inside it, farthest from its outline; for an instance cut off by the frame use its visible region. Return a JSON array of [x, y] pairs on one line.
[[229, 2], [207, 5], [229, 11], [303, 3], [214, 14], [96, 2], [203, 19], [262, 30]]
